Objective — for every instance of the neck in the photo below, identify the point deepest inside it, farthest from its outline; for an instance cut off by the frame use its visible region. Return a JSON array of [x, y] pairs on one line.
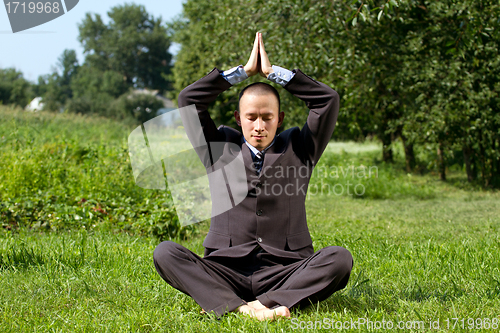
[[254, 149]]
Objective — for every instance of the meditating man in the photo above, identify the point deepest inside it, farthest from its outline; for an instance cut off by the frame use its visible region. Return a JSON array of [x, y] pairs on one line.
[[259, 259]]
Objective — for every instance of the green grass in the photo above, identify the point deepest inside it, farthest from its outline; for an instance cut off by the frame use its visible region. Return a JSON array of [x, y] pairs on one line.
[[423, 249]]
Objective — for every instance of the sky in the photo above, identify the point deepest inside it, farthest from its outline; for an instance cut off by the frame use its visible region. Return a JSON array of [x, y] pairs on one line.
[[35, 51]]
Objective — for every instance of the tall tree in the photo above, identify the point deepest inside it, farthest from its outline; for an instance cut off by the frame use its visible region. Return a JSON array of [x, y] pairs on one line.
[[133, 44], [14, 88], [56, 88], [423, 71], [454, 75], [68, 65]]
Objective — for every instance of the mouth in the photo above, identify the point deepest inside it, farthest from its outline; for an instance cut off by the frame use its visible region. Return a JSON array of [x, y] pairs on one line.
[[258, 137]]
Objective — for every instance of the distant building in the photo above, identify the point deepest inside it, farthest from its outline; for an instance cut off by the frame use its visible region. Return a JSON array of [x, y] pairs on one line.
[[35, 105]]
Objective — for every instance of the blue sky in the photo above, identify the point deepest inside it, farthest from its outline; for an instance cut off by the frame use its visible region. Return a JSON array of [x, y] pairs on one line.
[[35, 51]]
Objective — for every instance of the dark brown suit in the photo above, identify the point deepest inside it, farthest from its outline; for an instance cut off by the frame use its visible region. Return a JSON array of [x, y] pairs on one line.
[[262, 248]]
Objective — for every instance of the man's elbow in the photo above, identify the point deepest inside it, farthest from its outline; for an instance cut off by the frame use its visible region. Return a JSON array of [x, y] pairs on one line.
[[329, 93], [183, 99], [333, 95]]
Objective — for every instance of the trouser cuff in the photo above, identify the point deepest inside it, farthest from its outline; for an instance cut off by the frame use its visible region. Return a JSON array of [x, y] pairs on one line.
[[227, 307], [266, 301]]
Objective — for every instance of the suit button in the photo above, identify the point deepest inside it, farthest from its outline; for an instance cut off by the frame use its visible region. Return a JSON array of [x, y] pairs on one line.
[[259, 185], [259, 240], [259, 212]]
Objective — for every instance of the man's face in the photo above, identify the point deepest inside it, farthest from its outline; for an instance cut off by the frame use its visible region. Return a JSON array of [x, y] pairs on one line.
[[259, 118]]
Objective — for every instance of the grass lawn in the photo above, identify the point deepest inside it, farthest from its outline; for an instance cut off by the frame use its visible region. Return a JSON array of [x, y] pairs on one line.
[[423, 251]]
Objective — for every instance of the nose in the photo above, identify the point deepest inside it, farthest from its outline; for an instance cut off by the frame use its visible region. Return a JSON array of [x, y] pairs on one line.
[[259, 125]]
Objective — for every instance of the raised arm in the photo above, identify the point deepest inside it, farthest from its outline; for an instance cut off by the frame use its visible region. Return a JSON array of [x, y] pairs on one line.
[[321, 100], [204, 91], [323, 104], [201, 94]]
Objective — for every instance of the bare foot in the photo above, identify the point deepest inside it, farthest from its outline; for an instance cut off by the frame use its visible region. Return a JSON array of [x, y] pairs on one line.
[[264, 313], [257, 305]]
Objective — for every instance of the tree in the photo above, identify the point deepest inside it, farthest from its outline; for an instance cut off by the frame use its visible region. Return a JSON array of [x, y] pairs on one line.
[[14, 88], [94, 91], [133, 44], [56, 88], [423, 71], [440, 62], [457, 83], [68, 64]]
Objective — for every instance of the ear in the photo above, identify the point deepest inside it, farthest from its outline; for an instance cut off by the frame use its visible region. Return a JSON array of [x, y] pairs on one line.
[[281, 116], [237, 117]]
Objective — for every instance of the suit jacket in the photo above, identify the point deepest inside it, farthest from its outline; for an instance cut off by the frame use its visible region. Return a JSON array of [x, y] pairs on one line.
[[273, 213]]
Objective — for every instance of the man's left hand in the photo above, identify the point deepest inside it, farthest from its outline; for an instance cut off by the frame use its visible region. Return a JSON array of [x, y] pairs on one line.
[[265, 65]]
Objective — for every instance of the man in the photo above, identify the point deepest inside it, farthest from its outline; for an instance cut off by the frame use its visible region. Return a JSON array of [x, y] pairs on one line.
[[259, 258]]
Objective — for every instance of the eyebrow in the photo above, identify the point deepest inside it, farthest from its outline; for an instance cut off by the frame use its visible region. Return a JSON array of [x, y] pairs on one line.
[[264, 113]]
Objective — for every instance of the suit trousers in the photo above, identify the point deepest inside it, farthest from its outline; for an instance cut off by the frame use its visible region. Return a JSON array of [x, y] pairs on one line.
[[222, 284]]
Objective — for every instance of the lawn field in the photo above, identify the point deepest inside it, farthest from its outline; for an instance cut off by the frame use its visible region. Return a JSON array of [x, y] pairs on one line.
[[426, 252]]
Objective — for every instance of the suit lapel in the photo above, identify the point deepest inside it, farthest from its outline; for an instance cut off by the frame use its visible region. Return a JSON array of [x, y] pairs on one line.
[[273, 153], [247, 156]]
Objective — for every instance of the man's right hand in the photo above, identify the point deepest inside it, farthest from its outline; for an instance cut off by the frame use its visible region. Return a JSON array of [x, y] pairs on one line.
[[253, 65]]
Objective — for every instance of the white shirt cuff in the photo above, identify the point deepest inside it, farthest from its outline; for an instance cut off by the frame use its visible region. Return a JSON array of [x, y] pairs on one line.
[[235, 75], [281, 75]]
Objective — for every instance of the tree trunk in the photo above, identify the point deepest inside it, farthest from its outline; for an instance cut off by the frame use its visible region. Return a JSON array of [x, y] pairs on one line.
[[387, 155], [441, 162], [484, 173], [468, 163], [474, 165], [498, 162], [409, 155]]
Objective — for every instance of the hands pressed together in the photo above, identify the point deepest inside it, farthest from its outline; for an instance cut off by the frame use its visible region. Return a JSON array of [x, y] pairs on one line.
[[258, 61]]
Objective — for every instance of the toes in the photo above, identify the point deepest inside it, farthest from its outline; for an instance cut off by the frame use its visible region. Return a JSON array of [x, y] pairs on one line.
[[282, 311]]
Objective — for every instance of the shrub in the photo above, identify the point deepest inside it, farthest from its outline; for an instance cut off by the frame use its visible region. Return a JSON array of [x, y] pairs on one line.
[[62, 171], [140, 106]]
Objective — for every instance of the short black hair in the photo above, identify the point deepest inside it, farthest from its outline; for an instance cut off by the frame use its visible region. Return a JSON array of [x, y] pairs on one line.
[[260, 88]]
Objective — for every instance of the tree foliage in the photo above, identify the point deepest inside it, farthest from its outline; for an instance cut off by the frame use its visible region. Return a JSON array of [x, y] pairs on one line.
[[133, 44], [129, 52], [56, 87], [14, 88], [425, 72], [441, 69]]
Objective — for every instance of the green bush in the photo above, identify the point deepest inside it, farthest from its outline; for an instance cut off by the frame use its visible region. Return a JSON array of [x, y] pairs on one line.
[[131, 107], [141, 107], [14, 88], [62, 171]]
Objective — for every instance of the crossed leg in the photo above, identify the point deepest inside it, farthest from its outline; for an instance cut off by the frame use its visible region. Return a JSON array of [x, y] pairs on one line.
[[220, 289]]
